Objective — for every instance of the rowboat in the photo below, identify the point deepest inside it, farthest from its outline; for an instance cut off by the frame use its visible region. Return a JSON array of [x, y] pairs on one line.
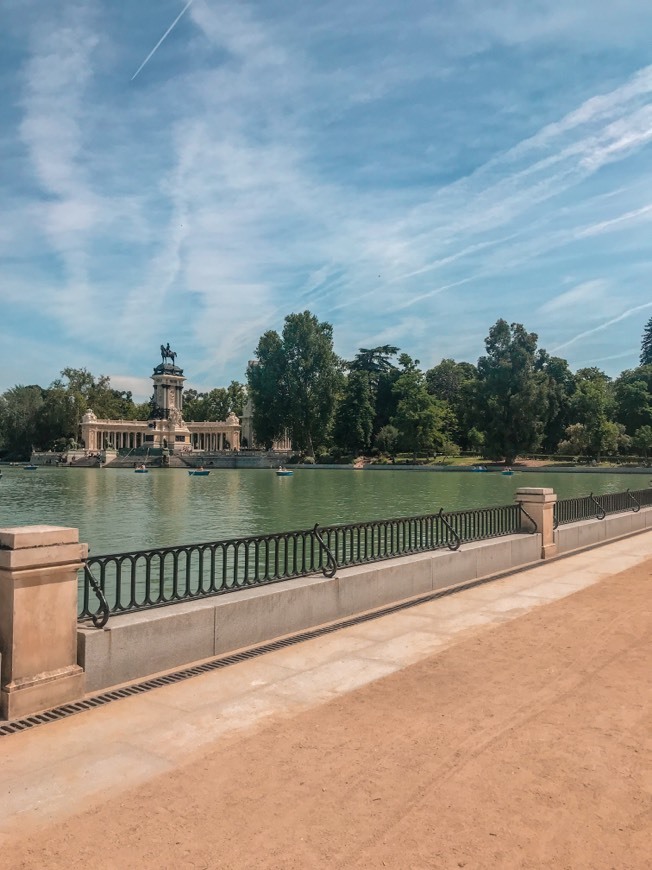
[[283, 472], [141, 470], [507, 471], [198, 473], [30, 467]]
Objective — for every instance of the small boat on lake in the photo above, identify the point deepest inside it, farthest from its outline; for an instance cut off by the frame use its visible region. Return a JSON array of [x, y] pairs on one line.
[[283, 472], [141, 469], [507, 471], [479, 468], [30, 467], [198, 472]]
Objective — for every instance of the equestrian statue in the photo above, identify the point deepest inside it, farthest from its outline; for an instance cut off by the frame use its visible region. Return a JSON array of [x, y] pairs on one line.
[[168, 353]]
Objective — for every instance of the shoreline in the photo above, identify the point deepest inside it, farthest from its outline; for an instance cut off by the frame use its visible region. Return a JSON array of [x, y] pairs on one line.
[[528, 469]]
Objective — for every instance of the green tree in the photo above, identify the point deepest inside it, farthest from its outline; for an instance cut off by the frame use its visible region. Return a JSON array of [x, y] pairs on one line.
[[377, 364], [419, 418], [559, 385], [57, 420], [265, 377], [455, 384], [295, 382], [387, 439], [643, 440], [592, 405], [576, 442], [511, 399], [633, 398], [354, 417], [374, 361], [20, 410], [646, 344]]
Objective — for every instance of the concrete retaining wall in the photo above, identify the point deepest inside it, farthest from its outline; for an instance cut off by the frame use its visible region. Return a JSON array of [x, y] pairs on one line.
[[574, 536], [137, 645]]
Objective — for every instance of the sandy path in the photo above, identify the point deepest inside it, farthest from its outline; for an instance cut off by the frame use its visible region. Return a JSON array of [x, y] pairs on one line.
[[528, 745]]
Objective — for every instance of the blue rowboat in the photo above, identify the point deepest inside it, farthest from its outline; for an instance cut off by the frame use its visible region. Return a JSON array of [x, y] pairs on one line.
[[199, 473], [30, 467]]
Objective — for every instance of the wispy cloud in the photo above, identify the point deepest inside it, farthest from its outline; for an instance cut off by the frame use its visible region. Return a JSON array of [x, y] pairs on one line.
[[411, 175], [583, 296]]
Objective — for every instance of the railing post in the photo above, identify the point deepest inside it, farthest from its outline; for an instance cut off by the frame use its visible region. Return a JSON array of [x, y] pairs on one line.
[[38, 618], [539, 502]]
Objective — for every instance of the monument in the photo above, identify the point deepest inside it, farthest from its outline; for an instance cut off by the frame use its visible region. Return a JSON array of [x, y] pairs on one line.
[[165, 430]]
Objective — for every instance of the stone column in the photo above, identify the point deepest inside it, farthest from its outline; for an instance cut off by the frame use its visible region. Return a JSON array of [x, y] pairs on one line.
[[539, 502], [38, 618]]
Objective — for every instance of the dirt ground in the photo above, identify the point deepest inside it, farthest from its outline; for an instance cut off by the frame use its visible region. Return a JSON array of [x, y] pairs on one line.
[[528, 745]]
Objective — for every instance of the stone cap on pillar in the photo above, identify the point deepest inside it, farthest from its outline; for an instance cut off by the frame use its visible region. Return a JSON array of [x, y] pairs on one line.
[[22, 537], [27, 547], [536, 494]]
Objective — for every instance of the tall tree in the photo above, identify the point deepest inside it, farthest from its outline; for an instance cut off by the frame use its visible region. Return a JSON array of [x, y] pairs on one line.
[[354, 418], [295, 382], [455, 383], [20, 409], [633, 398], [592, 406], [559, 384], [646, 344], [378, 365], [511, 397], [419, 418], [265, 377]]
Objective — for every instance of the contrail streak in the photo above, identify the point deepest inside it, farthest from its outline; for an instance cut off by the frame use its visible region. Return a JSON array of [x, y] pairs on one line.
[[602, 326], [167, 33]]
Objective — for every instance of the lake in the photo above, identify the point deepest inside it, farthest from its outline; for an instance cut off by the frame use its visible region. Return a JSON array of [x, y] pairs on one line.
[[117, 510]]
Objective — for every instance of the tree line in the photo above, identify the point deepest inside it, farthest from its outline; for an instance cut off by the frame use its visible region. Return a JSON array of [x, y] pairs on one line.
[[517, 399]]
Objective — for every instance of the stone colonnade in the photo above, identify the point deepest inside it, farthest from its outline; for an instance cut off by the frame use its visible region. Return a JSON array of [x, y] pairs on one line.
[[209, 437], [209, 441]]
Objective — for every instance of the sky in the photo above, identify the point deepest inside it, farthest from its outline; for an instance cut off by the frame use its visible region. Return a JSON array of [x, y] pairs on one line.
[[409, 171]]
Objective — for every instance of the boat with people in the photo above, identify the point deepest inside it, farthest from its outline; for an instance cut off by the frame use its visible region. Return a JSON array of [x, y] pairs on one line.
[[283, 472], [141, 469], [30, 467], [199, 472], [507, 471]]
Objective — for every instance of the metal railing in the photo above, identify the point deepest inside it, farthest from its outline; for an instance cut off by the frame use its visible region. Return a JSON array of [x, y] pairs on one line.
[[124, 582], [572, 510]]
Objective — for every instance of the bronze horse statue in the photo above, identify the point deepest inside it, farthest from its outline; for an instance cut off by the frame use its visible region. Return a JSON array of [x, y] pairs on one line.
[[168, 353]]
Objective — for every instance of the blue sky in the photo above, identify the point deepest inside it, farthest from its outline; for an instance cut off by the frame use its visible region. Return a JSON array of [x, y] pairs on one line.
[[408, 170]]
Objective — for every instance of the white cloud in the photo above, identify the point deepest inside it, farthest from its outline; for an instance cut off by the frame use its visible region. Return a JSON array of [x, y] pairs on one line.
[[584, 297]]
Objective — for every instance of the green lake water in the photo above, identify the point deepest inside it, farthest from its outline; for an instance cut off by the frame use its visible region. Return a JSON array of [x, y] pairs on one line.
[[117, 510]]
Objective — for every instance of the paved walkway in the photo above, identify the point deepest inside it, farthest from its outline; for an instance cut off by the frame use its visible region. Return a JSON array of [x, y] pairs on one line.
[[54, 771]]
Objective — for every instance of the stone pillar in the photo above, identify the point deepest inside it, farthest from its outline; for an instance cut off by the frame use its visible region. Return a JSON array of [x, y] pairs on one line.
[[539, 502], [38, 618]]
